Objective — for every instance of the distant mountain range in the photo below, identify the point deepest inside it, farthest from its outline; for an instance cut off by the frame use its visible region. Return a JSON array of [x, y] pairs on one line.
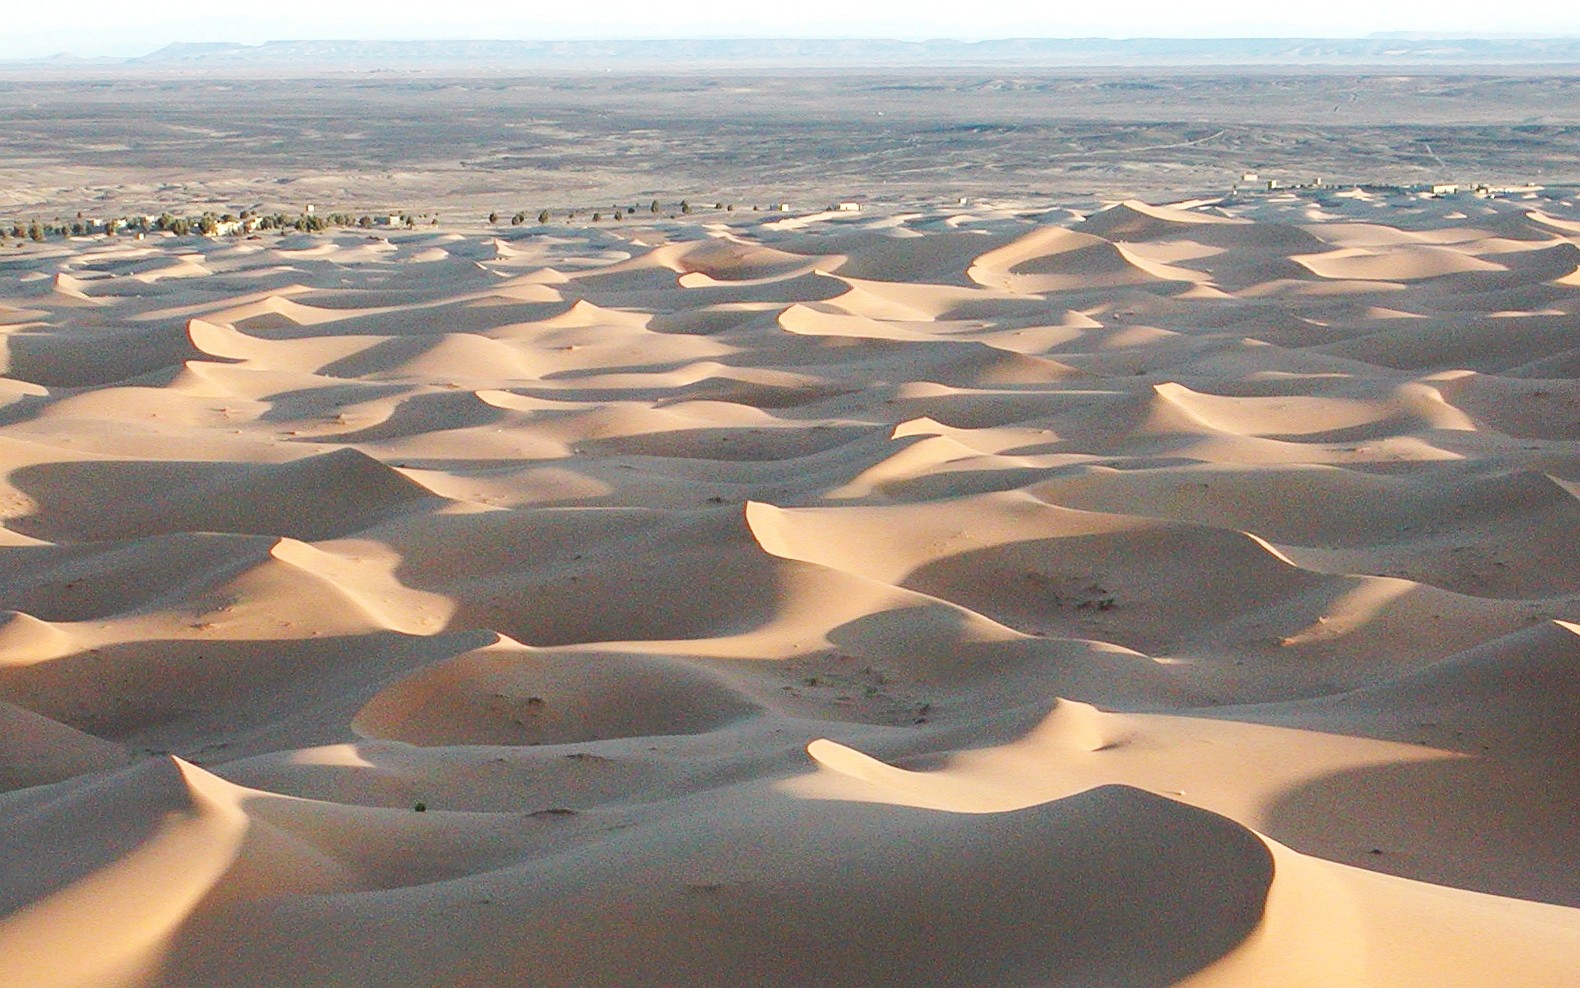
[[811, 53]]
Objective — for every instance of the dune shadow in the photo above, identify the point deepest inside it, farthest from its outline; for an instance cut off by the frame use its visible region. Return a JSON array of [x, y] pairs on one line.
[[214, 700], [756, 444], [311, 498], [54, 836], [95, 499], [324, 399], [91, 357], [1119, 586], [1501, 827], [937, 652], [1112, 887]]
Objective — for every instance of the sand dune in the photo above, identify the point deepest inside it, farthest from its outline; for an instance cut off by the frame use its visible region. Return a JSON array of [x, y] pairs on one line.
[[1135, 220], [315, 497], [1055, 259], [40, 751], [1172, 595], [510, 695]]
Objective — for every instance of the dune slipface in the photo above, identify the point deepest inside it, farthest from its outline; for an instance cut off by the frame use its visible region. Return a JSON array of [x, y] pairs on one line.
[[1178, 595]]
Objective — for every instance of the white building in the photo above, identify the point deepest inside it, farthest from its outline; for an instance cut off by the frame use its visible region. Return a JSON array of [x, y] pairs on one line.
[[847, 207]]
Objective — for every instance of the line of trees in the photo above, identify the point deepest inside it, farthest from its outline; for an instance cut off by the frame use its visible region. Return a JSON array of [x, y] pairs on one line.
[[211, 223], [34, 230], [207, 223], [616, 212]]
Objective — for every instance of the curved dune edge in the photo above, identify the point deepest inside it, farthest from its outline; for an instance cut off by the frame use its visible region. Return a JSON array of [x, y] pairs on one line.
[[118, 917], [35, 750], [1322, 922], [1327, 923], [507, 694]]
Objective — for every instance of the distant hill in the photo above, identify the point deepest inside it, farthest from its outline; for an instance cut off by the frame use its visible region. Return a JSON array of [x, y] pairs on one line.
[[812, 53]]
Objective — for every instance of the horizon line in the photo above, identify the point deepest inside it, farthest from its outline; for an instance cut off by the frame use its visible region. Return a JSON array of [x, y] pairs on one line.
[[1401, 36]]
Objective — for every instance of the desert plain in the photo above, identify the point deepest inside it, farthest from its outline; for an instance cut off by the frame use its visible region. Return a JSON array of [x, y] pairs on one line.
[[1107, 586]]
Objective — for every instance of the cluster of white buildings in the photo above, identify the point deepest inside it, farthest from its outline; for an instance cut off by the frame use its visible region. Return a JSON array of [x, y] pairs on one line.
[[1434, 189]]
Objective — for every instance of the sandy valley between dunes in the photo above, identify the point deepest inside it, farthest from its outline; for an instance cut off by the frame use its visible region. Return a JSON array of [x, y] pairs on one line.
[[1170, 595]]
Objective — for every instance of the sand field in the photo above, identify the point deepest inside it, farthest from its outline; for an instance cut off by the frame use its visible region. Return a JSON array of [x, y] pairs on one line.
[[1163, 595]]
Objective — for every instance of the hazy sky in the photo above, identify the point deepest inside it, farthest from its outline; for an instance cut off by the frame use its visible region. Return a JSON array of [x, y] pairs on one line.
[[132, 27]]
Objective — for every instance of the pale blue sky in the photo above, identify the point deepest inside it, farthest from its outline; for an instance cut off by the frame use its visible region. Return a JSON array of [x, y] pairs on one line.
[[131, 27]]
